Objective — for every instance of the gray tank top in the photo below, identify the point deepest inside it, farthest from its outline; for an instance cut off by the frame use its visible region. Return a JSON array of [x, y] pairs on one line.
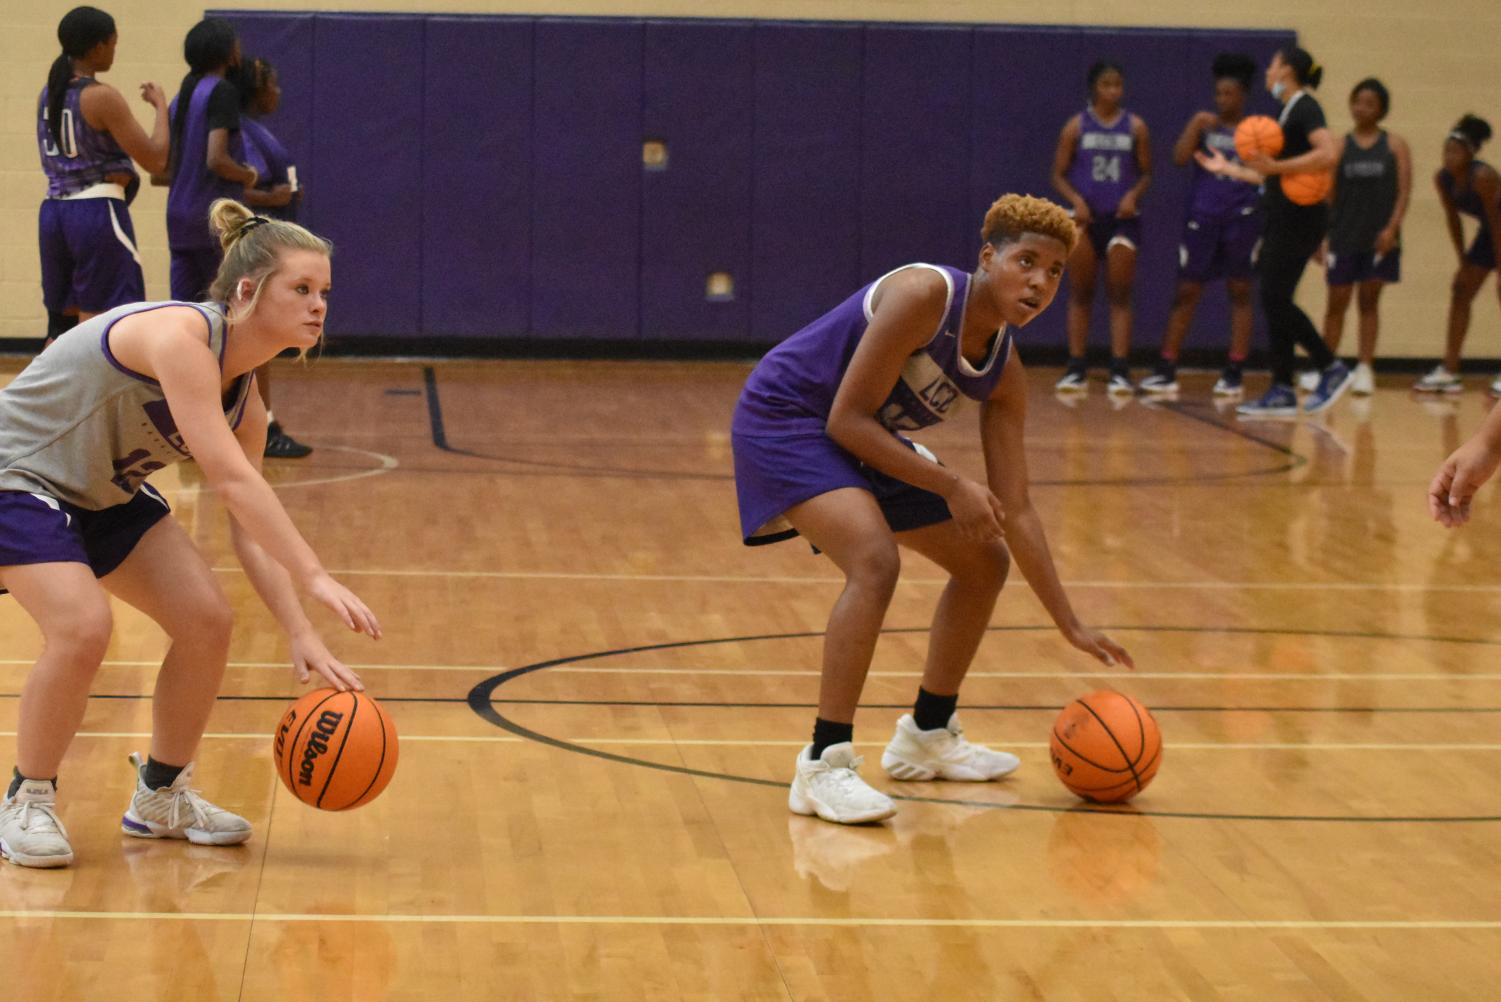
[[78, 426], [1365, 197]]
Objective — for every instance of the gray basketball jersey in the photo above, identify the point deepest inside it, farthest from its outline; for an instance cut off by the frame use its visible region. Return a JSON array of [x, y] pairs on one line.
[[80, 427]]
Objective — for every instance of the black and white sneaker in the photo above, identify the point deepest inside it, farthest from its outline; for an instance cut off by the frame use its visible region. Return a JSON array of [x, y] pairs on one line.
[[280, 445]]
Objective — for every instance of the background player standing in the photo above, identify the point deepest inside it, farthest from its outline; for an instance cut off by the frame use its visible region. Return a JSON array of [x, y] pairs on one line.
[[1220, 235], [87, 138], [1102, 166]]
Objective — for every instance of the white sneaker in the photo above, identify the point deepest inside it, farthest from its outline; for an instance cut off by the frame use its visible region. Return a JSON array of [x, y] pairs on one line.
[[1308, 381], [830, 787], [177, 811], [1496, 387], [30, 833], [942, 754], [1440, 380], [1365, 381]]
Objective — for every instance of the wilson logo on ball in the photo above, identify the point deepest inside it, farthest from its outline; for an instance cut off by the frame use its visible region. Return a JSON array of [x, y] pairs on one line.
[[317, 744]]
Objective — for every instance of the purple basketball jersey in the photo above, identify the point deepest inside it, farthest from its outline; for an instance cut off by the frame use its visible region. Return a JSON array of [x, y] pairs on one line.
[[85, 156], [194, 186], [1218, 199], [1104, 166], [792, 388], [271, 161]]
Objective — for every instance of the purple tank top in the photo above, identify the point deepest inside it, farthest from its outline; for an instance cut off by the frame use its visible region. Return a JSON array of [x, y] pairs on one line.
[[1467, 201], [269, 157], [1104, 166], [1215, 198], [194, 186], [85, 156], [791, 390]]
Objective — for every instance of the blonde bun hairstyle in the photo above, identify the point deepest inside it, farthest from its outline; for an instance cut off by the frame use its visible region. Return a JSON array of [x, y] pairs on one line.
[[253, 246]]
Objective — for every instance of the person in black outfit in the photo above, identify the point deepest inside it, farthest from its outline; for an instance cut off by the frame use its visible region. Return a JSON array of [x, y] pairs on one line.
[[1292, 236]]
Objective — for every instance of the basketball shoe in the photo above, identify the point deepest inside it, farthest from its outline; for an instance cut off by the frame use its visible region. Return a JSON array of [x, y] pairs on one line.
[[830, 786], [177, 811], [942, 754], [30, 833]]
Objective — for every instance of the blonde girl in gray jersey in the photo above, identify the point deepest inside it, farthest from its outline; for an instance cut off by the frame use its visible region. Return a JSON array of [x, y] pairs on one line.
[[112, 400]]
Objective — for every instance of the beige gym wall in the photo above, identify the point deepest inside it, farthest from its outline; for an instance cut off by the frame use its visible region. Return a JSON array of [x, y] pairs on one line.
[[1437, 58]]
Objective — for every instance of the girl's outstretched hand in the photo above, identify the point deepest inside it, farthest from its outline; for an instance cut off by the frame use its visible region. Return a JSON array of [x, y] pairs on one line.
[[345, 604]]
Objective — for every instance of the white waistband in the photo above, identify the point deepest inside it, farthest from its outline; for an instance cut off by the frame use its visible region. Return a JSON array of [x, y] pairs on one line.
[[103, 189]]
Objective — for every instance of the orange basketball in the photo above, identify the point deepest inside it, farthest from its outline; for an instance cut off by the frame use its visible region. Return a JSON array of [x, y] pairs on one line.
[[1258, 134], [335, 750], [1309, 188], [1106, 747]]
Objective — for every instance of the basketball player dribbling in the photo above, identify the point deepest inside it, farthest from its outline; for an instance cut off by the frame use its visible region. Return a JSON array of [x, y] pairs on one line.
[[81, 428], [819, 453]]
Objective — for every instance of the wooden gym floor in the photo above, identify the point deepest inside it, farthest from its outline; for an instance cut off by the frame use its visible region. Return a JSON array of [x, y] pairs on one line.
[[600, 694]]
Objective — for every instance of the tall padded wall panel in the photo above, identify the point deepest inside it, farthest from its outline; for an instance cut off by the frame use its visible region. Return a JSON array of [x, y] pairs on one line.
[[366, 169], [1158, 89], [476, 194], [915, 148], [695, 218], [805, 217], [287, 41], [586, 179], [1023, 91]]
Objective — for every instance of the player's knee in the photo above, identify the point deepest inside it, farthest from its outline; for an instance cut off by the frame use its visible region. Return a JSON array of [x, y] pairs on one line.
[[877, 566], [1119, 293], [1367, 299], [1240, 295], [992, 564], [80, 638], [205, 618], [1188, 294]]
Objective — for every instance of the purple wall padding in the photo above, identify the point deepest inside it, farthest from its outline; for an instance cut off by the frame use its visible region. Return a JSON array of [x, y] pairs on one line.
[[696, 214], [287, 40], [915, 143], [586, 179], [476, 196], [363, 192], [805, 216], [497, 189], [1024, 89]]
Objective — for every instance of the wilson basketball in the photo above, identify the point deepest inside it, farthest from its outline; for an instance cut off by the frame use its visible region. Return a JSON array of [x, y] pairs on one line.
[[1258, 135], [1106, 747], [335, 750], [1308, 188]]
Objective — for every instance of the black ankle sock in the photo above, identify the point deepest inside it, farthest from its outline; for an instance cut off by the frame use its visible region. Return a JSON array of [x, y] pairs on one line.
[[16, 779], [931, 712], [827, 732], [157, 776]]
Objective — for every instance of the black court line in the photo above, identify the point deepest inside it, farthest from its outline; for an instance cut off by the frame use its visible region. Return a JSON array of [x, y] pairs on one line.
[[440, 440], [482, 701]]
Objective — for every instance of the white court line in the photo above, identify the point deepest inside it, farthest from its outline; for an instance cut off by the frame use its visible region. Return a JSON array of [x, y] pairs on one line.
[[1419, 587], [814, 673], [287, 665], [776, 920], [509, 739], [387, 464]]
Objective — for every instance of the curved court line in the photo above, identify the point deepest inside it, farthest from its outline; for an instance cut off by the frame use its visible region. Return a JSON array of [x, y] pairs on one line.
[[482, 701], [387, 464], [439, 436]]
